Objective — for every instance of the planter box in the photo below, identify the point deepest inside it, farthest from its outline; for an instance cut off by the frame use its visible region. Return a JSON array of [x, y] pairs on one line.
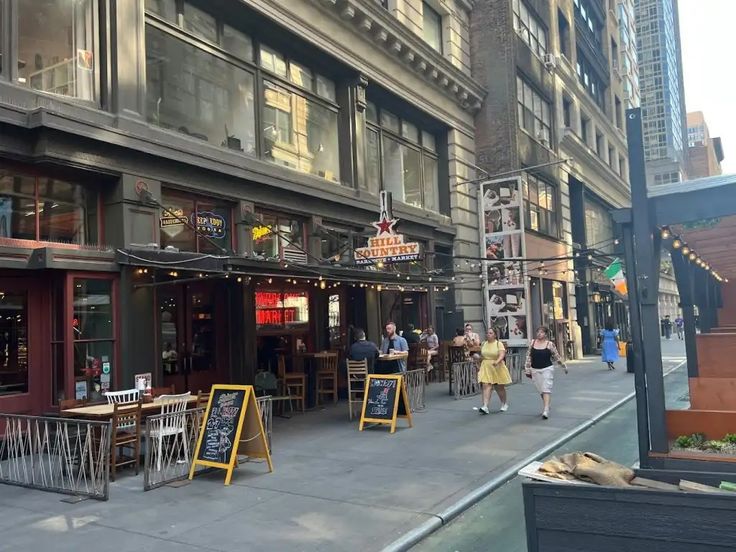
[[570, 518]]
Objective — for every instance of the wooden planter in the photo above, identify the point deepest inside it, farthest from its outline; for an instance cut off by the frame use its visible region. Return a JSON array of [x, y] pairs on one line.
[[574, 518]]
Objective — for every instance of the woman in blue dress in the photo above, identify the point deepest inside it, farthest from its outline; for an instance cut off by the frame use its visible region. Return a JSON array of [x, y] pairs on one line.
[[609, 345]]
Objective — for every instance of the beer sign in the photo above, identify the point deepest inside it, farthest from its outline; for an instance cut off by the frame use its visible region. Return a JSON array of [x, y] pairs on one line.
[[387, 245]]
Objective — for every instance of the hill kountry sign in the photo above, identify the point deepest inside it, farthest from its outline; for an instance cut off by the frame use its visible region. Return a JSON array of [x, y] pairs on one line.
[[387, 246]]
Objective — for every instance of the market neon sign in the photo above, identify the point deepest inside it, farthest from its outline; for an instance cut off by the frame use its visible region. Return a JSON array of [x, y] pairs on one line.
[[387, 245]]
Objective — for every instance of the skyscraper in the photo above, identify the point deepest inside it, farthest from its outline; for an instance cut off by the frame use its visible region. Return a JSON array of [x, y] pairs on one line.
[[662, 90]]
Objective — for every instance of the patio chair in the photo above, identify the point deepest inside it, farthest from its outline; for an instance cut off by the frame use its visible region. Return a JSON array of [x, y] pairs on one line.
[[125, 434], [202, 399], [267, 384], [126, 396], [293, 384], [172, 423], [357, 375], [327, 376]]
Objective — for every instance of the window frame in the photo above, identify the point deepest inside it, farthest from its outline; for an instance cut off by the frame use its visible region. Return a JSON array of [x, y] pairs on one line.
[[524, 29], [278, 218], [436, 17], [195, 199], [551, 226], [522, 111]]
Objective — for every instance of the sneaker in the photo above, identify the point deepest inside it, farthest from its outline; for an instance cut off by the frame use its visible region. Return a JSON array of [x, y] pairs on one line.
[[484, 410], [504, 407], [545, 415]]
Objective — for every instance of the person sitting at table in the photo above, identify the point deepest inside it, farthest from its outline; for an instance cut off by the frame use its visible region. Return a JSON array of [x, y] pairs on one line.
[[433, 346], [472, 339], [459, 339], [411, 335], [393, 342], [363, 349]]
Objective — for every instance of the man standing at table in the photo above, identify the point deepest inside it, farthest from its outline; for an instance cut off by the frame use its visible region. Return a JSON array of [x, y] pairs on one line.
[[394, 342], [363, 349]]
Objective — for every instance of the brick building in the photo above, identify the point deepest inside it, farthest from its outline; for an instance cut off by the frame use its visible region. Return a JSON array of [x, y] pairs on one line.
[[704, 152]]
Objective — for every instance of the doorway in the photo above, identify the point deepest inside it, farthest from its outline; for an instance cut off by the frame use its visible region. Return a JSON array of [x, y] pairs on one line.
[[193, 325]]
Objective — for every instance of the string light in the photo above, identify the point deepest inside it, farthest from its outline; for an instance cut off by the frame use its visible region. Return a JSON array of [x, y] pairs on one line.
[[270, 280], [677, 243], [322, 285], [666, 234], [380, 264], [685, 249], [692, 256], [240, 279], [379, 287]]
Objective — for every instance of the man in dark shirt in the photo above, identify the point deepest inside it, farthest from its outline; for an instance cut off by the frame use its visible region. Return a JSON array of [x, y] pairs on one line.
[[410, 335], [363, 349]]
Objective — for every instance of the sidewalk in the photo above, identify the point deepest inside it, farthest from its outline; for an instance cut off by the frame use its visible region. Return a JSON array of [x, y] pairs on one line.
[[333, 487]]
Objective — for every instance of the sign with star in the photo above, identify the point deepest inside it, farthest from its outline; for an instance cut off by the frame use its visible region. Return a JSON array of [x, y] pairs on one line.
[[387, 246]]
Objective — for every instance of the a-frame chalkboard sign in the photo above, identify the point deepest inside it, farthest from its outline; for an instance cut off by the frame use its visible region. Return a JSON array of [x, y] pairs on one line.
[[231, 410], [385, 400]]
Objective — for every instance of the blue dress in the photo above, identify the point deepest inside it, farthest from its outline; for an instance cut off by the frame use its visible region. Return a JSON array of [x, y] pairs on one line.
[[609, 345]]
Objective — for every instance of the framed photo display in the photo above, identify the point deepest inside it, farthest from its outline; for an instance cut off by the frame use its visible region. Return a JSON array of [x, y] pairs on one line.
[[503, 247]]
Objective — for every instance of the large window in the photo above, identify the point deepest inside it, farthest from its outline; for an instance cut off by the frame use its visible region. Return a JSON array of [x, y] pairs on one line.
[[432, 27], [590, 80], [530, 28], [56, 46], [533, 112], [276, 309], [540, 204], [599, 230], [198, 94], [278, 237], [401, 159], [46, 209], [13, 342], [183, 213]]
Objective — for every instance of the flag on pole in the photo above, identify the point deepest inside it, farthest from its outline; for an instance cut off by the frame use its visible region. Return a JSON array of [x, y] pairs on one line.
[[615, 273]]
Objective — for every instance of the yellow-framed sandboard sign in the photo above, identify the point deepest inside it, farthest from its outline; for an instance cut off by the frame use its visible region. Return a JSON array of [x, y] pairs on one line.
[[231, 410], [385, 400]]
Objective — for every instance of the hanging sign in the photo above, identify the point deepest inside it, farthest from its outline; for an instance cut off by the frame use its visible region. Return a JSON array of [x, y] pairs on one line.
[[615, 273], [387, 245]]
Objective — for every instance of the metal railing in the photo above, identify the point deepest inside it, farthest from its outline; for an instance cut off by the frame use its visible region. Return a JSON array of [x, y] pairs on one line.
[[416, 383], [465, 379], [515, 360], [60, 455], [171, 440]]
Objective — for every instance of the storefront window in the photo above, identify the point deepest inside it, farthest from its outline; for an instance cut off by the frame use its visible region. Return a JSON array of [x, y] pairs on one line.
[[185, 213], [46, 209], [198, 94], [277, 309], [13, 343], [279, 237], [93, 335], [299, 133], [56, 46]]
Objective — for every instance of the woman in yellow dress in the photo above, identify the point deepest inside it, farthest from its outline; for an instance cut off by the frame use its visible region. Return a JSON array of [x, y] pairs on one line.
[[493, 372]]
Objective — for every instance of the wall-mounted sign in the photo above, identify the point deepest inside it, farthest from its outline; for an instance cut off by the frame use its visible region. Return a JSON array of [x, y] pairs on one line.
[[209, 224], [261, 232], [387, 245], [172, 220]]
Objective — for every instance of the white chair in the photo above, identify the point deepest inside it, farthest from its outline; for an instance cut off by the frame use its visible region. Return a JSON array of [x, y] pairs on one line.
[[127, 396], [173, 423]]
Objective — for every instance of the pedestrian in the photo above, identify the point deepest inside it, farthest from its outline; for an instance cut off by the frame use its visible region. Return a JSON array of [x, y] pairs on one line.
[[493, 372], [609, 345], [540, 360], [472, 339], [392, 343], [680, 327], [667, 327]]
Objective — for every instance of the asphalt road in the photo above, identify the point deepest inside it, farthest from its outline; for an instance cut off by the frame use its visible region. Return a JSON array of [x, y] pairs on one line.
[[497, 522]]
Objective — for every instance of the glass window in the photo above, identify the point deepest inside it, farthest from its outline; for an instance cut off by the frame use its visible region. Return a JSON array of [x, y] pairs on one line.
[[599, 229], [277, 237], [300, 75], [13, 343], [431, 184], [197, 94], [299, 133], [276, 309], [540, 203], [401, 171], [237, 43], [326, 88], [273, 61], [372, 181], [432, 27], [533, 111], [389, 121], [428, 141], [183, 213], [200, 23], [410, 131], [530, 29], [371, 113], [56, 47], [213, 224], [265, 239], [93, 334], [174, 222], [166, 9]]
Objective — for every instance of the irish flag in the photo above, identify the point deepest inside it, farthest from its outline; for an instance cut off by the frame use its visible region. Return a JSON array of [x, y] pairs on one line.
[[615, 273]]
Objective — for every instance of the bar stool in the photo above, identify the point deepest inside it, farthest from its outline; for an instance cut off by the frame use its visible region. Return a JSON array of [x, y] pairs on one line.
[[294, 384], [327, 376]]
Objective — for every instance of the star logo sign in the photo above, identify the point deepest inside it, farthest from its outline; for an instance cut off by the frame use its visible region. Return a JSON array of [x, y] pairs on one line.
[[385, 225]]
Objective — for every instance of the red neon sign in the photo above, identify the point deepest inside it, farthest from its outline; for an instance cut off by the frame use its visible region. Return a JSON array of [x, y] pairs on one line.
[[275, 317]]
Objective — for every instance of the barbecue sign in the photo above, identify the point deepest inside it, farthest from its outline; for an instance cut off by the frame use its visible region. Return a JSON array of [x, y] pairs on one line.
[[387, 246]]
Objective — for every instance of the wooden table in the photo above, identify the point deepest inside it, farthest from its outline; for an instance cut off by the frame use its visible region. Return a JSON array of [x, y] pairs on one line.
[[387, 361], [394, 356], [104, 411]]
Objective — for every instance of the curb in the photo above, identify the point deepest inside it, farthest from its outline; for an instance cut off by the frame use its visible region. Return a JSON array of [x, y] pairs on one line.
[[419, 533]]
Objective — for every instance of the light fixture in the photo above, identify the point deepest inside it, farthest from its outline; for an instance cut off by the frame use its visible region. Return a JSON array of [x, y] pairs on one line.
[[685, 249], [270, 280], [692, 256], [322, 285], [616, 241], [240, 279], [380, 264], [677, 243], [666, 234], [379, 287]]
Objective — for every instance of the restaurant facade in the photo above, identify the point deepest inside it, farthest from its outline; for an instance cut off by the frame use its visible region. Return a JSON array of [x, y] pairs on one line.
[[184, 186]]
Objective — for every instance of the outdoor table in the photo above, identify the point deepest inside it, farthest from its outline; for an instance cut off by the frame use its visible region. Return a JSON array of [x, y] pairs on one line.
[[105, 411], [389, 363]]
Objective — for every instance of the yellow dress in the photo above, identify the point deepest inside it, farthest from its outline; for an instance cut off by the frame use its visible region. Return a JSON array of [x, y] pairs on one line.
[[497, 374]]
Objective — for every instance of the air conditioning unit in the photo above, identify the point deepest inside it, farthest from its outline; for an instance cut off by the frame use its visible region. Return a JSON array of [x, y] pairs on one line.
[[550, 61]]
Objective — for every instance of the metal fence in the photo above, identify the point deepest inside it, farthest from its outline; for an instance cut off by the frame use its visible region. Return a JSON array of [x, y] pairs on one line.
[[55, 454], [416, 383], [171, 439], [515, 359], [465, 379]]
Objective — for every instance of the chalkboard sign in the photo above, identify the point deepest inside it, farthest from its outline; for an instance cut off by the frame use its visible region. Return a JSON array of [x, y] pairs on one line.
[[230, 410], [385, 400]]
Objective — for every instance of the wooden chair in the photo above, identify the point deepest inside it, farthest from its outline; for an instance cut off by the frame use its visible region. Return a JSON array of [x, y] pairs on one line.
[[439, 361], [202, 399], [327, 376], [158, 391], [421, 362], [126, 396], [411, 359], [357, 375], [293, 384], [173, 424], [125, 433]]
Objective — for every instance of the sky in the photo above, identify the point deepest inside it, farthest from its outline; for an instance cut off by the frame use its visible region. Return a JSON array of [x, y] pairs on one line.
[[708, 38]]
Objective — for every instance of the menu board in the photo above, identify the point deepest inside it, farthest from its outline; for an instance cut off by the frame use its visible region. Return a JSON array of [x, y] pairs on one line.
[[503, 246], [385, 400], [220, 430]]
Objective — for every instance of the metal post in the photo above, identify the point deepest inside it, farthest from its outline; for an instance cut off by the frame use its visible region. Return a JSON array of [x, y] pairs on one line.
[[684, 277], [646, 259]]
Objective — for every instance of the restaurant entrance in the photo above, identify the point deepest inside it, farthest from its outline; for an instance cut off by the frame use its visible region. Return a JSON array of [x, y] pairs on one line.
[[192, 341]]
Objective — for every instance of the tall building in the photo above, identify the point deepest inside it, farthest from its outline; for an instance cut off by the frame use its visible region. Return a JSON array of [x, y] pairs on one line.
[[705, 153], [662, 90], [184, 185], [560, 75]]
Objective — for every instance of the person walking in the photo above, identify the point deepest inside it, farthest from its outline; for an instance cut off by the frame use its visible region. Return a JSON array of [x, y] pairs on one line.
[[493, 372], [680, 327], [609, 345], [540, 360], [667, 327]]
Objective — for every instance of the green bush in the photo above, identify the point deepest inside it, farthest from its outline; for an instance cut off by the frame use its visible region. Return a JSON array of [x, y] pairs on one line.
[[730, 438]]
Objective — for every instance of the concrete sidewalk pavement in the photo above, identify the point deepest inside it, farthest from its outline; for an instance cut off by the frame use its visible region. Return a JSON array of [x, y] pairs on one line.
[[333, 488]]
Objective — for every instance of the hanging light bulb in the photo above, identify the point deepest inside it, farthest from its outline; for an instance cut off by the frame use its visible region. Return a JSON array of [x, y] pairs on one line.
[[322, 285], [379, 287], [677, 243], [380, 264], [692, 256], [616, 241], [270, 280], [666, 234], [685, 249], [240, 279]]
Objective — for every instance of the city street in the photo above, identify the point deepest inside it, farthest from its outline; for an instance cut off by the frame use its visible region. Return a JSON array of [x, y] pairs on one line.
[[497, 522]]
